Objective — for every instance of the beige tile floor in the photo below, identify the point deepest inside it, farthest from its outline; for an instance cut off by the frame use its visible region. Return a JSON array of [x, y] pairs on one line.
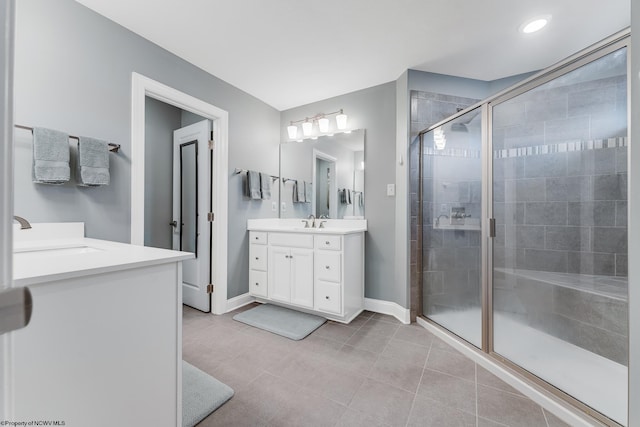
[[373, 372]]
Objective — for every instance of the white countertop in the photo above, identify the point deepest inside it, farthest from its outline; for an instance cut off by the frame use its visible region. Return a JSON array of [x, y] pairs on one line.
[[51, 252], [297, 225]]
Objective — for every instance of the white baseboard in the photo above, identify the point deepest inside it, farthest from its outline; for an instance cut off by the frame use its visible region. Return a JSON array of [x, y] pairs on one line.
[[239, 301], [553, 405], [388, 307]]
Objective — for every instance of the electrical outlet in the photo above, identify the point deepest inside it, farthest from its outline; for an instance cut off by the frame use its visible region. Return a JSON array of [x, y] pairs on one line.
[[284, 207], [274, 206], [391, 189]]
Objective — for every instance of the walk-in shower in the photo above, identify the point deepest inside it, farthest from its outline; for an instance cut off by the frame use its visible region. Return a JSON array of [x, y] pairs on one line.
[[523, 228]]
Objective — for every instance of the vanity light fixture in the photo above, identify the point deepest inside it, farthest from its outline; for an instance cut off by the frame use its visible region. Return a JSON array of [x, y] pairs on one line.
[[341, 121], [323, 125], [535, 24], [292, 130], [307, 128]]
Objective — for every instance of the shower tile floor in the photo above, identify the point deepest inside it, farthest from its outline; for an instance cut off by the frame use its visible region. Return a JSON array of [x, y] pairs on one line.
[[373, 372]]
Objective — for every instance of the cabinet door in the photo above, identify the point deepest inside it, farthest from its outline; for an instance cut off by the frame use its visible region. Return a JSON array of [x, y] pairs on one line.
[[279, 274], [302, 277]]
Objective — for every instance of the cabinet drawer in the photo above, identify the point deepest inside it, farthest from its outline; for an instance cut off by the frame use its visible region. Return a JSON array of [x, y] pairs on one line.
[[258, 257], [328, 266], [258, 283], [328, 297], [328, 242], [259, 237], [291, 240]]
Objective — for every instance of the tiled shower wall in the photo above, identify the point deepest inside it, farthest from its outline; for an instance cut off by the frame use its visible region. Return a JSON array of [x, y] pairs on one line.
[[560, 179], [427, 109]]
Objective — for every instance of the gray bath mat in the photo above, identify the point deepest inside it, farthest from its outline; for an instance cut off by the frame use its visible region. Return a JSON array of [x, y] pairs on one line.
[[292, 324], [201, 394]]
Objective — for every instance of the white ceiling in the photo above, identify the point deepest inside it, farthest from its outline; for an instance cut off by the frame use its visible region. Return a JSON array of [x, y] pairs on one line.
[[292, 52]]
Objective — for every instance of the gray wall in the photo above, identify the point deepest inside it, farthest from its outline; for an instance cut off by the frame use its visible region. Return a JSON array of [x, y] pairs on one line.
[[73, 73], [372, 109], [160, 121]]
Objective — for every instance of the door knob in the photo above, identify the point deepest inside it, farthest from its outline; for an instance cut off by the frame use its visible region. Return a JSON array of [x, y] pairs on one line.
[[173, 223]]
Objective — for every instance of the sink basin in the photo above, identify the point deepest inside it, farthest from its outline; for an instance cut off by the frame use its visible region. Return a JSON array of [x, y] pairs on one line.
[[48, 251]]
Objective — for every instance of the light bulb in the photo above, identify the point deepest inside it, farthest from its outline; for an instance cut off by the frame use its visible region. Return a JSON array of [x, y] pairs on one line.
[[323, 125], [341, 121], [307, 128], [293, 131]]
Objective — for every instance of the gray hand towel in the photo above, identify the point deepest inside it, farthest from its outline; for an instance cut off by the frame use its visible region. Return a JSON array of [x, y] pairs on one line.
[[308, 192], [253, 185], [299, 192], [265, 186], [50, 157], [93, 162]]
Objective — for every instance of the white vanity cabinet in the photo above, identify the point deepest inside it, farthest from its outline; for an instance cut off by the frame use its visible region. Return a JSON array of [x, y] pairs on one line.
[[320, 271]]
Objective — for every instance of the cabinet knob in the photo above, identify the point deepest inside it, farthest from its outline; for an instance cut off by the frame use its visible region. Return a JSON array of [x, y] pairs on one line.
[[257, 284], [327, 267], [257, 258], [327, 297], [326, 243], [256, 237]]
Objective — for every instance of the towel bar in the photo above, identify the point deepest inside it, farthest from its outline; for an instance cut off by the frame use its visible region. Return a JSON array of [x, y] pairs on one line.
[[238, 171], [112, 147]]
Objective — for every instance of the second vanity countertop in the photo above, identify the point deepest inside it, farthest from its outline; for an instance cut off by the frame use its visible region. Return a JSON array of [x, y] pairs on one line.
[[297, 225], [51, 252]]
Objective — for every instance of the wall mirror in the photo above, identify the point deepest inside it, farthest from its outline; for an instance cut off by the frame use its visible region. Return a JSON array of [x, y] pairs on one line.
[[323, 176]]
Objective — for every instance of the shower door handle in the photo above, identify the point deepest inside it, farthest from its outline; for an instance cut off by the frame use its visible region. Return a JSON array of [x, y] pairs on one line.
[[492, 227]]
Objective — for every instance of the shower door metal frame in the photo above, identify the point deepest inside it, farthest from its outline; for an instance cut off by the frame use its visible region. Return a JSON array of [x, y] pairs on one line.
[[615, 42]]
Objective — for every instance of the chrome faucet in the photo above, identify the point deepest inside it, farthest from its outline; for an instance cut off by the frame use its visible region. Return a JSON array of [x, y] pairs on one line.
[[321, 225], [24, 224], [438, 219], [313, 220]]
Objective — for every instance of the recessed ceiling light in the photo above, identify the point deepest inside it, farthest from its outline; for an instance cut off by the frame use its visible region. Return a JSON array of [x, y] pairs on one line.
[[535, 24]]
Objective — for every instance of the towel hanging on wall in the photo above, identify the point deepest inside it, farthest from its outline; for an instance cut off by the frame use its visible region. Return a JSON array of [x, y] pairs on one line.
[[298, 192], [253, 185], [93, 162], [265, 186], [308, 192], [50, 163]]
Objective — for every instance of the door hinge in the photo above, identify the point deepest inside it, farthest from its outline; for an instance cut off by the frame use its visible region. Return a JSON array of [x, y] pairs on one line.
[[209, 288], [210, 216], [492, 227]]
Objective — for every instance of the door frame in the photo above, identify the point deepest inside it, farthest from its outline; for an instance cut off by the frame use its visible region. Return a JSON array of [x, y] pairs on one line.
[[333, 190], [7, 26], [141, 87]]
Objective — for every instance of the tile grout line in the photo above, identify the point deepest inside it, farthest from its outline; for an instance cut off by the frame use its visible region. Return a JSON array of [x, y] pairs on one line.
[[475, 368], [545, 416], [415, 395]]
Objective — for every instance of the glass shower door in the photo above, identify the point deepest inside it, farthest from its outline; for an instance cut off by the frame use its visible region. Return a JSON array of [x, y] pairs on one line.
[[560, 247], [451, 226]]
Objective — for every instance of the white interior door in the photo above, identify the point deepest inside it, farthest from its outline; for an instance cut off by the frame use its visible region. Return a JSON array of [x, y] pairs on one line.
[[191, 204]]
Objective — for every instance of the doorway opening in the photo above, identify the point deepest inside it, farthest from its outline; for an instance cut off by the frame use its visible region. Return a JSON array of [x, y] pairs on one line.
[[212, 213]]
